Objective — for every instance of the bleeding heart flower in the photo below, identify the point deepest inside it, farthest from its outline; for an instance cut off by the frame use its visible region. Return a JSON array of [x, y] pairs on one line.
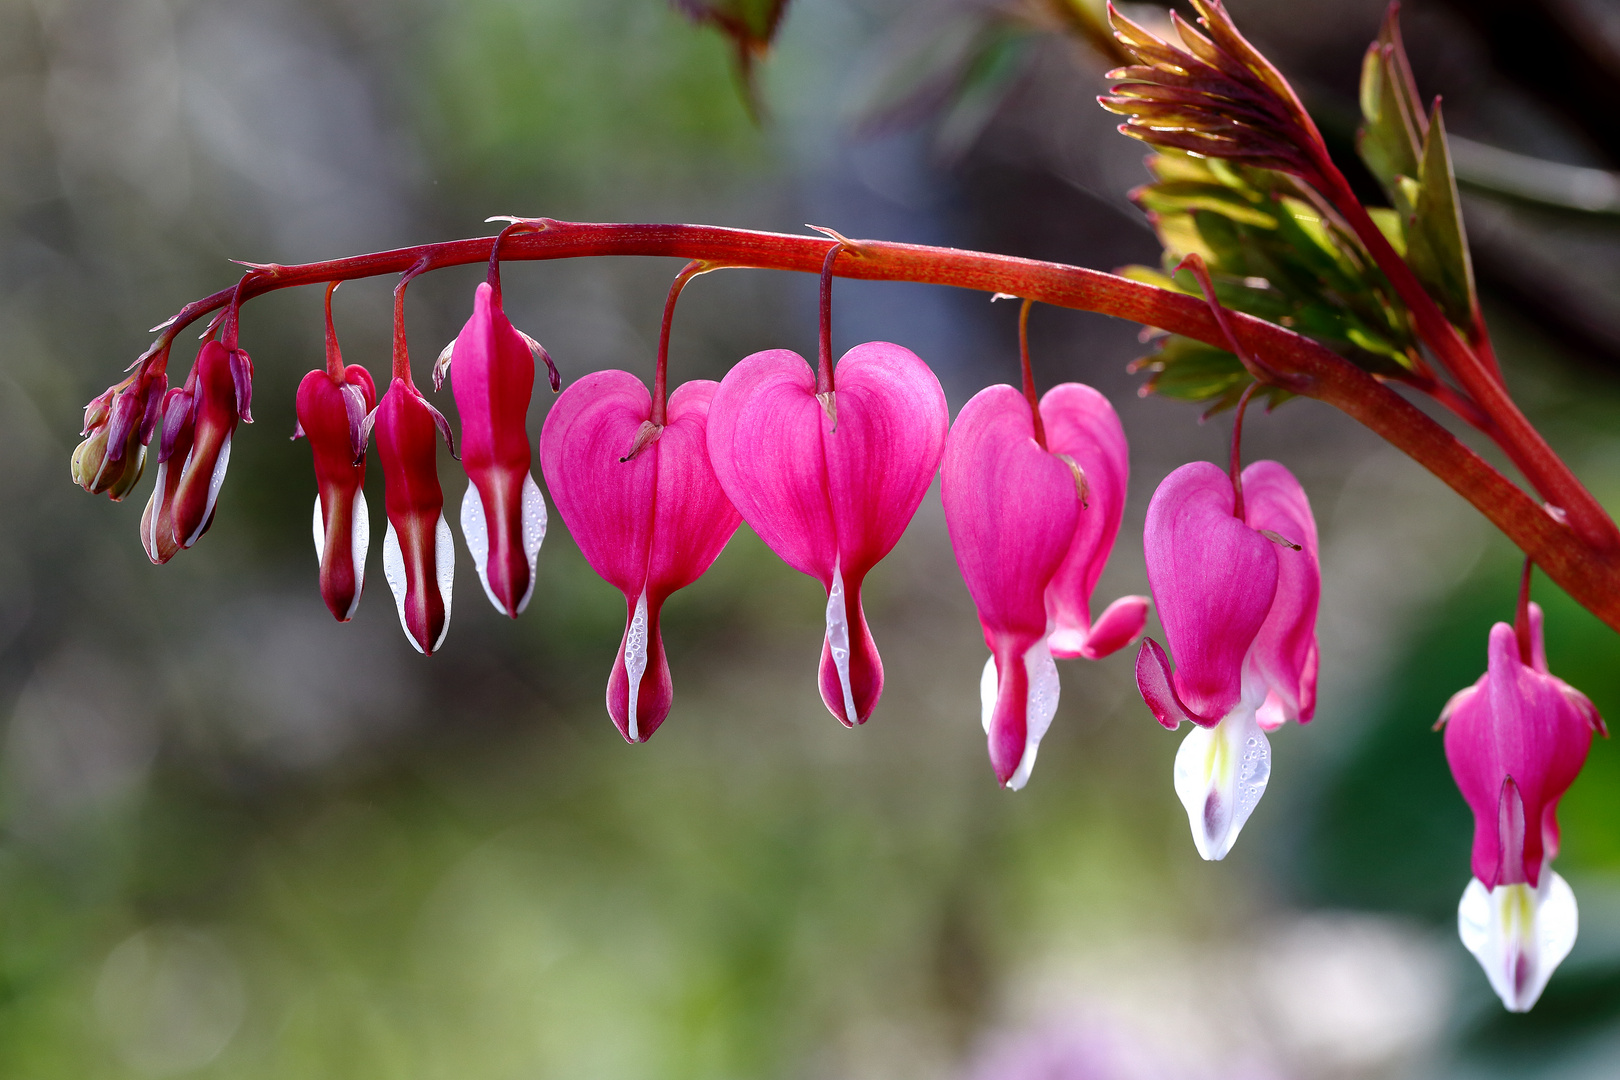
[[1238, 598], [419, 555], [332, 410], [1082, 426], [503, 515], [830, 481], [647, 512], [199, 420], [1516, 741], [1012, 509]]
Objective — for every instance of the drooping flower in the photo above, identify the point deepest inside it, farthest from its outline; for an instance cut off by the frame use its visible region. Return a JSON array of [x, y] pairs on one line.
[[194, 449], [1238, 598], [644, 506], [1082, 426], [118, 425], [419, 555], [829, 481], [332, 406], [1012, 509], [503, 514], [1515, 741], [1032, 528]]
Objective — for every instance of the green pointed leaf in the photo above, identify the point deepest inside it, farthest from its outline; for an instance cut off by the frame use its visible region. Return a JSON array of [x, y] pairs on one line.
[[1391, 135], [1437, 243]]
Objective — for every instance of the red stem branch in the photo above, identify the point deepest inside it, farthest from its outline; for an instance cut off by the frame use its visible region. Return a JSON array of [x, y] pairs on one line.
[[1589, 571]]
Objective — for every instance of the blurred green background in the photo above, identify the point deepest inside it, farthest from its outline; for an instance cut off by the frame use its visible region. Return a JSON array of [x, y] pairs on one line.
[[240, 840]]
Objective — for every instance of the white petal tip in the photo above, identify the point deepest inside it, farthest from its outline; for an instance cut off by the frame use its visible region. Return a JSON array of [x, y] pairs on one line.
[[1220, 774], [1519, 934]]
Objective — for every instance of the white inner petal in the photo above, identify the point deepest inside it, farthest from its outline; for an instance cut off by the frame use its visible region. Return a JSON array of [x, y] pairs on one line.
[[444, 565], [320, 531], [534, 531], [359, 547], [475, 531], [838, 640], [158, 491], [394, 574], [1039, 708], [1220, 774], [635, 662], [1518, 934]]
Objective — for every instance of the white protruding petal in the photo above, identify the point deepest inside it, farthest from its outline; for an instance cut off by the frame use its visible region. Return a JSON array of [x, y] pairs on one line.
[[320, 531], [1039, 708], [534, 531], [394, 572], [1519, 934], [155, 503], [838, 640], [215, 482], [475, 531], [635, 662], [359, 547], [1220, 774], [444, 565]]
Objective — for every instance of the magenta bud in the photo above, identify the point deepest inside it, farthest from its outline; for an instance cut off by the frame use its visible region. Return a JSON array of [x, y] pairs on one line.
[[330, 413], [503, 514], [418, 552], [217, 394], [118, 424]]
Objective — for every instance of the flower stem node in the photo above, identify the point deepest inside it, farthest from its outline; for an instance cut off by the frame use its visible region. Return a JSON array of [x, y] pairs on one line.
[[829, 479]]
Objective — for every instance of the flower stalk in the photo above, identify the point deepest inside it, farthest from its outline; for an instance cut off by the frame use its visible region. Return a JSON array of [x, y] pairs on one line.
[[1589, 571]]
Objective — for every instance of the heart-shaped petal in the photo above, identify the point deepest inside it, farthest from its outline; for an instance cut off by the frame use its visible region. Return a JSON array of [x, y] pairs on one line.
[[1011, 508], [1284, 654], [648, 524], [1213, 580], [830, 485]]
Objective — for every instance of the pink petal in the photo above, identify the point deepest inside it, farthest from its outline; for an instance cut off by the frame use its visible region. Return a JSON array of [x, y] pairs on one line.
[[202, 471], [1157, 687], [1284, 653], [1518, 725], [831, 488], [1120, 624], [324, 408], [1081, 424], [1213, 580], [1008, 548]]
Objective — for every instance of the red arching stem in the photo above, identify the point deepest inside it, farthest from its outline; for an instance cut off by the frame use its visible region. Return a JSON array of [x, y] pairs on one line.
[[1477, 376], [1029, 373], [402, 352], [1236, 466], [824, 364], [495, 256], [660, 394], [1588, 572], [1521, 617], [334, 358]]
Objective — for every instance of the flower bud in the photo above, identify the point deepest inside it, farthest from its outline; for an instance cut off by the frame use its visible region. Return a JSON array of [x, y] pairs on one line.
[[118, 424], [332, 412], [418, 553], [221, 386]]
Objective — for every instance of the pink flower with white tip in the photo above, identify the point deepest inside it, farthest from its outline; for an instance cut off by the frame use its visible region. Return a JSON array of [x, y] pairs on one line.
[[1236, 581], [1031, 561], [646, 511], [332, 406], [829, 474], [1516, 741], [503, 514]]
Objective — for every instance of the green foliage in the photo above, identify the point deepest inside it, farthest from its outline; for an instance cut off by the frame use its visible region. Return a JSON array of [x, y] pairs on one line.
[[1411, 159], [1273, 255]]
